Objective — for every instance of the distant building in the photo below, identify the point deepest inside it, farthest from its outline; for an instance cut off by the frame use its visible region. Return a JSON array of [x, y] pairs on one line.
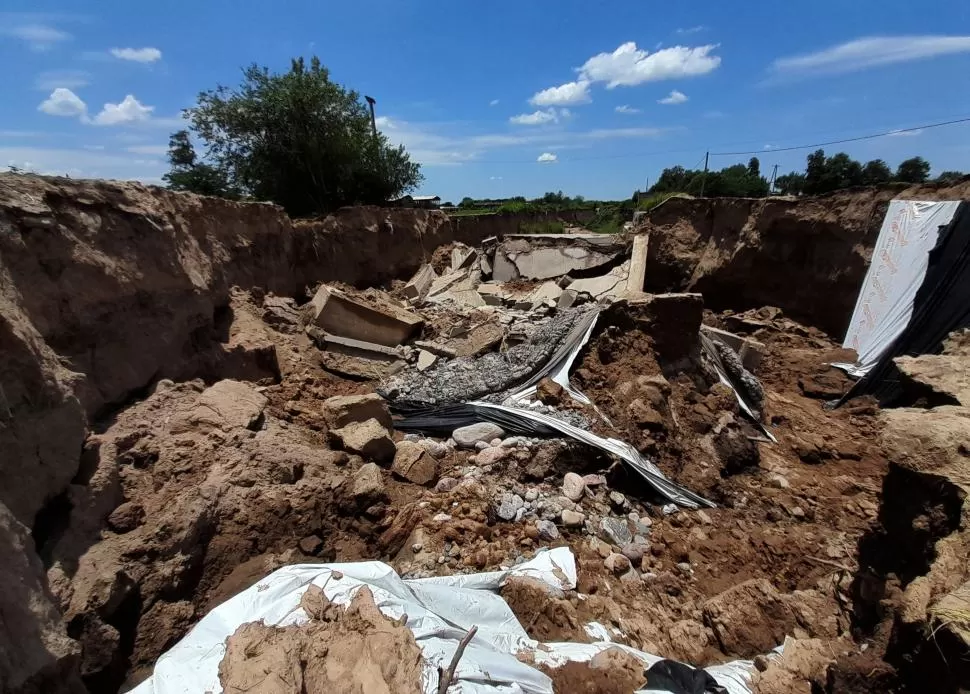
[[429, 202]]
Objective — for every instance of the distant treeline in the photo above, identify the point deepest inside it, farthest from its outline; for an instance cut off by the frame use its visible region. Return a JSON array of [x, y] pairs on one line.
[[822, 175]]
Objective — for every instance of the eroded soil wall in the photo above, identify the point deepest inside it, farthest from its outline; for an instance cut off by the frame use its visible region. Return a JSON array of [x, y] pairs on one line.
[[806, 256]]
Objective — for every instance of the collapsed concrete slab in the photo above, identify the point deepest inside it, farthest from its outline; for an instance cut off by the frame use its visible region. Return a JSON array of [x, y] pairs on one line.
[[545, 256], [380, 322], [462, 257], [638, 265], [419, 285]]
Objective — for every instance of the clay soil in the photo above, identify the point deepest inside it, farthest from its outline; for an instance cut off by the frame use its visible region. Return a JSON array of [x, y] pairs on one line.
[[203, 497]]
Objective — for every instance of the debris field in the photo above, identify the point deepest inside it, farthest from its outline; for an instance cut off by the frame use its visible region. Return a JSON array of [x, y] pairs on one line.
[[505, 399]]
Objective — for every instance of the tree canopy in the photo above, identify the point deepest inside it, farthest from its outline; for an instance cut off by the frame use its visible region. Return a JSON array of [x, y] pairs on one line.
[[297, 139], [738, 181]]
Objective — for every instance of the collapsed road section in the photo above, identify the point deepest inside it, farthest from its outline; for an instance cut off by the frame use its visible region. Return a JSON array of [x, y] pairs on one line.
[[634, 488]]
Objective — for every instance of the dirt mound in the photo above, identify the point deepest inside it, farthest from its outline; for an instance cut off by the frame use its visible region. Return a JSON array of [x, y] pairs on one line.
[[356, 650], [612, 671]]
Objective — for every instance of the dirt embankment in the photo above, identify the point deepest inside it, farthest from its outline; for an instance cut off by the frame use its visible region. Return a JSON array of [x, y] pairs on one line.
[[806, 256]]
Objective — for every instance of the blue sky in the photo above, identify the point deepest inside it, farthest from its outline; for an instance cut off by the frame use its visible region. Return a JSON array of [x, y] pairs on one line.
[[504, 98]]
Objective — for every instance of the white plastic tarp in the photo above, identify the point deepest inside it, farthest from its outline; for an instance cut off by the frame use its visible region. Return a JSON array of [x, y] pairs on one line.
[[899, 263], [440, 610]]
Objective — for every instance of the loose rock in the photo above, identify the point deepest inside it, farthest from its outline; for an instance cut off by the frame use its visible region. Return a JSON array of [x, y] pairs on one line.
[[414, 464], [508, 505], [572, 519], [615, 531], [368, 484], [618, 564], [367, 439], [467, 437], [573, 486], [547, 530]]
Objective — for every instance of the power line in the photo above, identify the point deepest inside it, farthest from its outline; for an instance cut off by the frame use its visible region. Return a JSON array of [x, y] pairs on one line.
[[839, 142]]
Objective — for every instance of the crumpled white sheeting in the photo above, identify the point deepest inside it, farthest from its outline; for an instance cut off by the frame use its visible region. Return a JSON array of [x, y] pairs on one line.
[[439, 612]]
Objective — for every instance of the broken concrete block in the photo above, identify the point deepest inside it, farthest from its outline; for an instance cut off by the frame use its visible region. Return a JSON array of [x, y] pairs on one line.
[[597, 286], [419, 285], [342, 410], [462, 256], [638, 265], [368, 439], [547, 290], [382, 322], [485, 265], [566, 299], [426, 360], [468, 297], [435, 348], [446, 282], [478, 340], [413, 463], [353, 348]]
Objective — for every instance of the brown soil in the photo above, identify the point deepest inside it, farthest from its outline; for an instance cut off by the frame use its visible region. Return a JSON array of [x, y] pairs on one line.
[[356, 650], [612, 671]]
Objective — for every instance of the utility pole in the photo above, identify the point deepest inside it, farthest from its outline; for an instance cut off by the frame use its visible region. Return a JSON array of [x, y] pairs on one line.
[[774, 175], [373, 119], [707, 156]]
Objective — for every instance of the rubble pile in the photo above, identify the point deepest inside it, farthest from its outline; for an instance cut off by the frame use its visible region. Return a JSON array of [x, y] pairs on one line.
[[520, 395]]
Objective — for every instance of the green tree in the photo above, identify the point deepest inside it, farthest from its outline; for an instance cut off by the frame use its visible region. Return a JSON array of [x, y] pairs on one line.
[[300, 140], [188, 174], [754, 167], [915, 170], [950, 177], [876, 172], [815, 172], [791, 183], [466, 203]]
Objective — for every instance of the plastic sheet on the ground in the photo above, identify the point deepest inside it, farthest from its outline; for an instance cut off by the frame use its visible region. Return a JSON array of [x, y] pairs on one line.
[[440, 610]]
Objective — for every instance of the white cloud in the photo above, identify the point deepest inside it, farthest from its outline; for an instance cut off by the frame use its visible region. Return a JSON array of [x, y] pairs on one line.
[[536, 118], [905, 133], [130, 110], [692, 30], [147, 149], [493, 102], [673, 98], [495, 178], [547, 158], [568, 94], [870, 52], [70, 79], [64, 102], [138, 55], [38, 36], [629, 66], [626, 109], [383, 122], [436, 144]]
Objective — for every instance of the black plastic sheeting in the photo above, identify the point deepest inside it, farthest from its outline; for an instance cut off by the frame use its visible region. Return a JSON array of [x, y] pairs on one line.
[[941, 306], [671, 676], [444, 419]]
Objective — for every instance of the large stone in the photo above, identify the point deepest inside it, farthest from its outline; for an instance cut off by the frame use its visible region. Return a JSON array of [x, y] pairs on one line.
[[545, 256], [413, 463], [618, 564], [368, 484], [572, 519], [615, 531], [468, 436], [381, 322], [425, 360], [229, 405], [573, 486], [367, 439], [508, 506], [491, 455], [345, 409], [547, 530]]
